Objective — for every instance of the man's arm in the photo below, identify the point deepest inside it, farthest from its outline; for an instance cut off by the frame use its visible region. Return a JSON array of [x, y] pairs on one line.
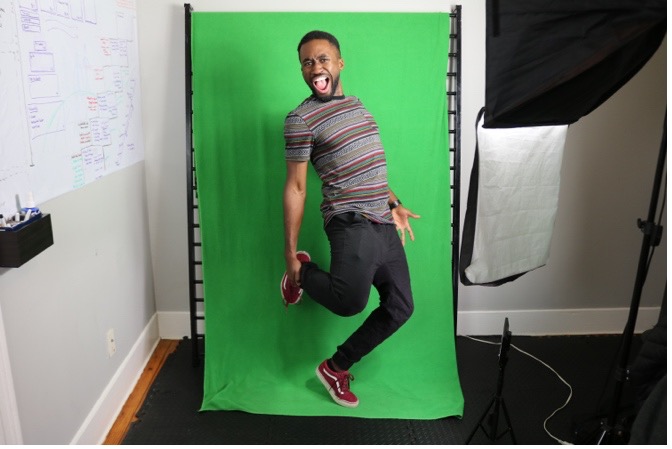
[[294, 200], [401, 215]]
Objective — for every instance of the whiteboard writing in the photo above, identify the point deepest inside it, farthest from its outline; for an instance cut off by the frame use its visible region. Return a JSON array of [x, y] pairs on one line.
[[69, 95]]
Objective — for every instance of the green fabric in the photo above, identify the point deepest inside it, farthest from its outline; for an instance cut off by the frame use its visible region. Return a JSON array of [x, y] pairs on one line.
[[261, 358]]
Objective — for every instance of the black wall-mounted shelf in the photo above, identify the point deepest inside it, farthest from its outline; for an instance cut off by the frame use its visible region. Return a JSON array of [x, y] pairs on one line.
[[18, 247]]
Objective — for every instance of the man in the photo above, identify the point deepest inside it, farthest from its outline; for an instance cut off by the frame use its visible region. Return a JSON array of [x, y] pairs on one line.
[[340, 138]]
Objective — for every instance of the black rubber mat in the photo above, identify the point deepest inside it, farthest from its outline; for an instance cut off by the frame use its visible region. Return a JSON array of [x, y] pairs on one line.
[[531, 392]]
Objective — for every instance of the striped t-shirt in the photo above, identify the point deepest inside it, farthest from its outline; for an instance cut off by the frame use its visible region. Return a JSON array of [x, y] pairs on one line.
[[341, 139]]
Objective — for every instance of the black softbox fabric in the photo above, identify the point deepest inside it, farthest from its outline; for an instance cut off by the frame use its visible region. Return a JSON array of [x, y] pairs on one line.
[[550, 62]]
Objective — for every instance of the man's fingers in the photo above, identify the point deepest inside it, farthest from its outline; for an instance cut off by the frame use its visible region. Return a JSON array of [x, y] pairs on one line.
[[400, 231]]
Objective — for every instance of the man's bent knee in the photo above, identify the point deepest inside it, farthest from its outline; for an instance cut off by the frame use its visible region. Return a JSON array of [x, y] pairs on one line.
[[350, 307], [403, 314]]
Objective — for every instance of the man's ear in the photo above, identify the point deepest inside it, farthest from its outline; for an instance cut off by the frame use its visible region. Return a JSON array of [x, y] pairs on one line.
[[341, 63]]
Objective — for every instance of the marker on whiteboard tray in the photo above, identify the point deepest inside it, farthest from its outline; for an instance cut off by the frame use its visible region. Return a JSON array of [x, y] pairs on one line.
[[3, 222]]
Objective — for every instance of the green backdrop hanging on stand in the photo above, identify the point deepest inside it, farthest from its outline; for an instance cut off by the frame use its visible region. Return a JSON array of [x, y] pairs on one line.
[[260, 357]]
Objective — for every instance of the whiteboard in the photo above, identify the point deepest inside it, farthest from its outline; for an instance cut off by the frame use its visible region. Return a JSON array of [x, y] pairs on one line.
[[69, 96]]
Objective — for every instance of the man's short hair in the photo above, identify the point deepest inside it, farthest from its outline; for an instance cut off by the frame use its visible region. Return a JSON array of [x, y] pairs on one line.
[[313, 35]]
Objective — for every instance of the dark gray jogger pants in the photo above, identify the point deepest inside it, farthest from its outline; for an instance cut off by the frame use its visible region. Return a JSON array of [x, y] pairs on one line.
[[363, 254]]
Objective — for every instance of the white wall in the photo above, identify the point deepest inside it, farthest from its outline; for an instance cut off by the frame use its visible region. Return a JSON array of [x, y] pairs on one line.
[[607, 179], [58, 307]]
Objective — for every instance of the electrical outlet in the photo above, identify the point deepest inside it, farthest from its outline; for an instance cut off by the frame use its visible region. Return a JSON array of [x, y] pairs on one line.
[[111, 343]]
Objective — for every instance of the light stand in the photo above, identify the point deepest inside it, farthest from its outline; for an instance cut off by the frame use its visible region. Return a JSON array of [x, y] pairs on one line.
[[497, 401], [612, 432]]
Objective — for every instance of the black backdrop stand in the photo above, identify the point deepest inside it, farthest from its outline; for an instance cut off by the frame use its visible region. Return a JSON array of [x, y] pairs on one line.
[[613, 431]]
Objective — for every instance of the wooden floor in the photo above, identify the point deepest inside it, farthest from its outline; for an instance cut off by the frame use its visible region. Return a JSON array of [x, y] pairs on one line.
[[137, 397]]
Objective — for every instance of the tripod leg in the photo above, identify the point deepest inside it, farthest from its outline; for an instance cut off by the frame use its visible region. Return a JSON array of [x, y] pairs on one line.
[[508, 422], [480, 420], [494, 418]]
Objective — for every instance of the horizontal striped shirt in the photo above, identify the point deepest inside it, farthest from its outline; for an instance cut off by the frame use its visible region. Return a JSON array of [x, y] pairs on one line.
[[341, 139]]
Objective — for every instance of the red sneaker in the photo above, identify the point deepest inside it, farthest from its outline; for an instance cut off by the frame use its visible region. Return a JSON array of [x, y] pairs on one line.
[[338, 385], [290, 293]]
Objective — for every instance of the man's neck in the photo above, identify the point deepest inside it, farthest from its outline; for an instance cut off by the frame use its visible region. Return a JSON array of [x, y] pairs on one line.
[[334, 97]]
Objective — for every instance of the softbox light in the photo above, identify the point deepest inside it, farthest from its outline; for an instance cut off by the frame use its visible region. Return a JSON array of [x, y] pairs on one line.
[[552, 62]]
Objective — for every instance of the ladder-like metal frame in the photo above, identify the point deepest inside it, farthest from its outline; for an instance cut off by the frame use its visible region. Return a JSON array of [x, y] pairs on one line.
[[196, 296], [454, 139]]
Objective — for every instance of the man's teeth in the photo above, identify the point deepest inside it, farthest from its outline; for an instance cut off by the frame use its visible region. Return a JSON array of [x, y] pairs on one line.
[[321, 82]]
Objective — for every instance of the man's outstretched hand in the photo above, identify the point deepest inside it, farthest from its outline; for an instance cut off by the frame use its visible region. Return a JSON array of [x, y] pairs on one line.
[[401, 216]]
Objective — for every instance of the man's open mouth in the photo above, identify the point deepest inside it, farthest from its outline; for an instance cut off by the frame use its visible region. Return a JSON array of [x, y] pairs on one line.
[[321, 84]]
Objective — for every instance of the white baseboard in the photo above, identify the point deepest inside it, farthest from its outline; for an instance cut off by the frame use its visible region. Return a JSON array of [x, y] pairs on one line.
[[175, 325], [104, 413], [554, 322], [10, 424]]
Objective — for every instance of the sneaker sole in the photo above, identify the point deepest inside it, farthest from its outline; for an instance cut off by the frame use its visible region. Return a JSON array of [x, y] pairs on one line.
[[336, 399], [305, 253]]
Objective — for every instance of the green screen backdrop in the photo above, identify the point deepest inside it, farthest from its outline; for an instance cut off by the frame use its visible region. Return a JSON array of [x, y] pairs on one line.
[[260, 357]]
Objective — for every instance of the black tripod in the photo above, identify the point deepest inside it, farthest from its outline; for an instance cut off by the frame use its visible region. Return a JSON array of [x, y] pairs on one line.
[[497, 401], [611, 431]]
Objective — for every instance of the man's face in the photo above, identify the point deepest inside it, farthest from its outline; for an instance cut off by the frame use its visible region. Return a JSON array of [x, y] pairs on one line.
[[321, 65]]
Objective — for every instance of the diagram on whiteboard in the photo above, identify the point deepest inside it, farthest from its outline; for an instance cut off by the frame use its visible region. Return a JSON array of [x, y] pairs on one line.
[[69, 95]]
